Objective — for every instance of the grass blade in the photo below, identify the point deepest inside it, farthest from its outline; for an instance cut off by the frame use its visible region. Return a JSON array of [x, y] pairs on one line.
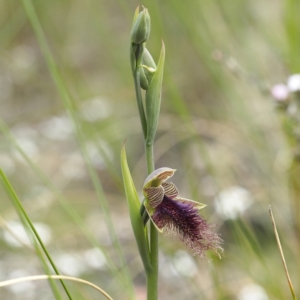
[[19, 207], [282, 255]]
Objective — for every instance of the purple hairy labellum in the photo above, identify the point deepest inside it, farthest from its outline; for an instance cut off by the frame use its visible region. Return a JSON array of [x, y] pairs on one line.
[[179, 217]]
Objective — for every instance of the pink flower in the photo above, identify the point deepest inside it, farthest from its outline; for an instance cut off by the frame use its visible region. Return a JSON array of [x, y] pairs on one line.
[[280, 92]]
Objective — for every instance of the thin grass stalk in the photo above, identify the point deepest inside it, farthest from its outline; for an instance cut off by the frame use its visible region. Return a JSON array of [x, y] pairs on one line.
[[45, 265], [282, 255]]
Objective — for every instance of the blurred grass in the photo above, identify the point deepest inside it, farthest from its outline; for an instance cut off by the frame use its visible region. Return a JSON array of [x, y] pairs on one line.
[[72, 111], [218, 127]]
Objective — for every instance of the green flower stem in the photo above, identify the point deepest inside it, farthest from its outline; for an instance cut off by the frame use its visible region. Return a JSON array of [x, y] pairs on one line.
[[152, 277], [149, 157], [139, 99]]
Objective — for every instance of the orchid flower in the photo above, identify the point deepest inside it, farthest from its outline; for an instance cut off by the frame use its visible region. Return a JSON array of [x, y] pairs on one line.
[[179, 217]]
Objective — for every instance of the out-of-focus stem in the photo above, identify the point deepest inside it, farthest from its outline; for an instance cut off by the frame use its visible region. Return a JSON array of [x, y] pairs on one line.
[[289, 125], [294, 186]]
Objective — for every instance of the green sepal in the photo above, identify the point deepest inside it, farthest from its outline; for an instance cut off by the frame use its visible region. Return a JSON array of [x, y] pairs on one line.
[[153, 98], [134, 212], [196, 204]]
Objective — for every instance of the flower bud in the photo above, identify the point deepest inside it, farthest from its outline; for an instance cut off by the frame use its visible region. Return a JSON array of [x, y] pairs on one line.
[[141, 28], [147, 70]]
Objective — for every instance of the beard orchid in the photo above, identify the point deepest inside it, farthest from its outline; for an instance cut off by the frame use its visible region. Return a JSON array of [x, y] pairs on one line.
[[177, 216]]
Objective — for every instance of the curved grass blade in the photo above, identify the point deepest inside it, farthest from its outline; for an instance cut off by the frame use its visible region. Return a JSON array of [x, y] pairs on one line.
[[43, 277]]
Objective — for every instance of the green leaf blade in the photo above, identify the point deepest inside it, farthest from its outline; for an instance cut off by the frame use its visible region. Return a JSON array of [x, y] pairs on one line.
[[134, 211]]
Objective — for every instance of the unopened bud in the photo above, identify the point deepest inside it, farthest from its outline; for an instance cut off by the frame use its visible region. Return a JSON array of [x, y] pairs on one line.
[[147, 69], [141, 28]]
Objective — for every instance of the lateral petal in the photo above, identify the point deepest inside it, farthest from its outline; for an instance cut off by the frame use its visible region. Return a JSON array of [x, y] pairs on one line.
[[155, 195], [170, 189]]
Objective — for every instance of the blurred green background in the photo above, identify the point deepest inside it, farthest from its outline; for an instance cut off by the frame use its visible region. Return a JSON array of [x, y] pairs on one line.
[[65, 114]]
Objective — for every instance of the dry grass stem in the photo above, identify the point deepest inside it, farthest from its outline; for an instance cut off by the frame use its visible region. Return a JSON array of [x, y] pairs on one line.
[[44, 277], [281, 254]]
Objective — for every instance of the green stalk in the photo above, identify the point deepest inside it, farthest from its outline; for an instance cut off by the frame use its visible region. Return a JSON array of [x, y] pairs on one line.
[[149, 158], [152, 277], [139, 99]]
